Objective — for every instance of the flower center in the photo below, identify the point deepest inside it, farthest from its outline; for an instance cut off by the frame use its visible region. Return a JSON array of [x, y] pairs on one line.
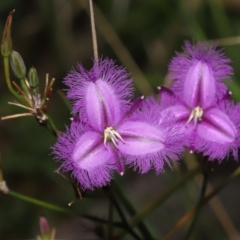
[[196, 115], [111, 135]]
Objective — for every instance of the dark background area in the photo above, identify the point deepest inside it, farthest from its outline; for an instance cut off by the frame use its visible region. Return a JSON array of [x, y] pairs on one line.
[[53, 35]]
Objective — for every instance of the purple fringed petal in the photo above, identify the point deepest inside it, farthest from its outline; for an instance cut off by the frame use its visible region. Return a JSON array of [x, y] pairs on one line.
[[170, 103], [217, 127], [91, 167], [181, 112], [102, 105], [112, 85], [140, 137], [89, 151], [199, 86], [150, 138], [193, 63], [221, 140]]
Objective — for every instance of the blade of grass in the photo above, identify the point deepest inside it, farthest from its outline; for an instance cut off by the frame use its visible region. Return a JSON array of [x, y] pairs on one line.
[[198, 207], [58, 208], [121, 214], [193, 211], [217, 207], [150, 207], [130, 209]]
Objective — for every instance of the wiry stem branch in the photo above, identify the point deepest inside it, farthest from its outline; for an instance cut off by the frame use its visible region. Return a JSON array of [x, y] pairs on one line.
[[198, 207], [94, 35]]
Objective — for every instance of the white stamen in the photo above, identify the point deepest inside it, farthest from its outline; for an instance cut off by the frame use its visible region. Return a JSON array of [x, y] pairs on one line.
[[112, 135], [20, 105], [16, 116], [196, 115], [121, 173]]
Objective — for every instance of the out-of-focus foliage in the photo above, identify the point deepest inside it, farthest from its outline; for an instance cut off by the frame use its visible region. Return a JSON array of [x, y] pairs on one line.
[[52, 36]]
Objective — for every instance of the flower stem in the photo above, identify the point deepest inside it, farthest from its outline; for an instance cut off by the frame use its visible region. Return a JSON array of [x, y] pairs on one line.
[[149, 208], [121, 215], [193, 211], [58, 208], [162, 197], [128, 206], [51, 126], [94, 35], [198, 207], [110, 221]]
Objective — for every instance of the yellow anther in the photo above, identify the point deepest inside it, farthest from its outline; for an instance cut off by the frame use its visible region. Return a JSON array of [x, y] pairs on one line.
[[196, 115], [111, 135]]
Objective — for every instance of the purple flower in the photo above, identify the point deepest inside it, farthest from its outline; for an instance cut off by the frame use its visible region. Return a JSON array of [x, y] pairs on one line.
[[199, 101], [214, 130], [111, 131], [198, 74], [153, 136]]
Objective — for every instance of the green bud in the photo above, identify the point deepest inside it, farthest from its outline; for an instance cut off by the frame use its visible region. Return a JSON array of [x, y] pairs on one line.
[[33, 77], [6, 46], [18, 65]]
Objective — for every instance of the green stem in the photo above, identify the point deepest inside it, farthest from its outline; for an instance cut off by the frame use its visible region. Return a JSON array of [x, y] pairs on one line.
[[110, 221], [59, 209], [136, 219], [24, 87], [162, 198], [51, 126], [121, 215], [8, 80], [64, 99], [193, 211], [198, 207], [128, 206]]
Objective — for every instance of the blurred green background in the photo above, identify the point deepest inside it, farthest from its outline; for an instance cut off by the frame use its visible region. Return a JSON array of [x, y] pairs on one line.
[[53, 35]]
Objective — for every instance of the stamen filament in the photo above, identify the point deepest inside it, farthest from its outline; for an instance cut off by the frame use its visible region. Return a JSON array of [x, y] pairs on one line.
[[195, 116], [16, 116], [20, 105], [22, 93], [112, 135]]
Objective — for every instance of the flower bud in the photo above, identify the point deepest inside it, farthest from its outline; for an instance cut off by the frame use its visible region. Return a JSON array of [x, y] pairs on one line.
[[6, 46], [44, 227], [18, 65], [33, 77]]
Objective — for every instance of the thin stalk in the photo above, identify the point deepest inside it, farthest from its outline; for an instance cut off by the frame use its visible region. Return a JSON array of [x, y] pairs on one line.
[[94, 35], [198, 207], [149, 208], [193, 211], [121, 215], [128, 206], [51, 126], [162, 197], [110, 221], [58, 208], [64, 99], [24, 87], [119, 49]]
